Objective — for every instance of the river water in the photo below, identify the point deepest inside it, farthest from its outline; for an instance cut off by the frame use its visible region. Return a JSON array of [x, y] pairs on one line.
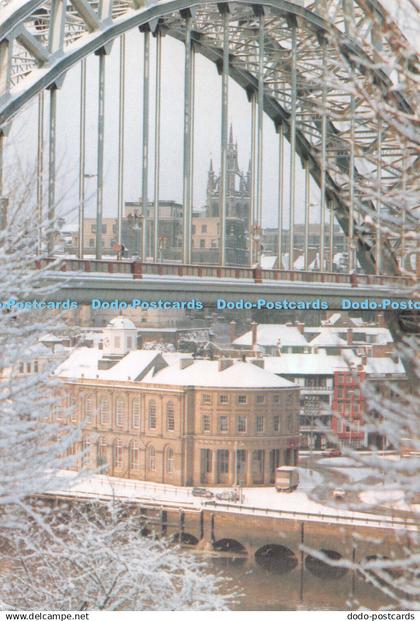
[[295, 590]]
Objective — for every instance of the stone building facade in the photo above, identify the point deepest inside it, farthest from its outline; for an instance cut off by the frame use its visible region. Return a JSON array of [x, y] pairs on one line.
[[171, 419]]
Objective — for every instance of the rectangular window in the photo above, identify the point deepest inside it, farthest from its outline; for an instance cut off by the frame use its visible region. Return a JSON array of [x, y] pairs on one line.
[[202, 243], [223, 399], [260, 399], [152, 415], [205, 424], [135, 414], [276, 423], [21, 367], [204, 228], [242, 399], [36, 366], [89, 407], [134, 456], [104, 411], [223, 456], [223, 423], [241, 424], [259, 424], [118, 455], [205, 398], [119, 412], [276, 398], [193, 229]]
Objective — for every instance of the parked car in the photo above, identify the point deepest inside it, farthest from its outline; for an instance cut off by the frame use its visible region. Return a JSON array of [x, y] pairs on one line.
[[334, 452], [202, 492], [229, 495], [339, 493], [287, 479]]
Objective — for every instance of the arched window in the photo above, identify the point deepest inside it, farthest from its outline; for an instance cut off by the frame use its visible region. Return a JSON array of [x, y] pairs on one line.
[[152, 458], [89, 409], [169, 460], [101, 452], [135, 414], [170, 416], [104, 411], [152, 414], [119, 412], [118, 454], [134, 456]]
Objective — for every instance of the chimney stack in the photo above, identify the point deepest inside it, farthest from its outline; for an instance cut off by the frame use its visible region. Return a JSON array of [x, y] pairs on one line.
[[254, 326], [232, 331], [349, 337], [225, 363], [300, 326]]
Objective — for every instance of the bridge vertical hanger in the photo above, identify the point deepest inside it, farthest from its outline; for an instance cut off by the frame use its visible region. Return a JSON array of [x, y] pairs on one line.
[[121, 141], [403, 207], [100, 154], [331, 249], [40, 171], [101, 53], [351, 248], [323, 152], [188, 96], [223, 191], [280, 212], [292, 125], [82, 158], [52, 130], [145, 142], [259, 10], [307, 214], [3, 202], [252, 202], [157, 144], [55, 46]]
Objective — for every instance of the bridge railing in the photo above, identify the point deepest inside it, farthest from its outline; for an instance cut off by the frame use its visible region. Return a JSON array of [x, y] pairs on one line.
[[125, 493], [139, 269]]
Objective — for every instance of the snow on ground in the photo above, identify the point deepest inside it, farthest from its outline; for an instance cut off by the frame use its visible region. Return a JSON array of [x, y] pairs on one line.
[[256, 500], [393, 499]]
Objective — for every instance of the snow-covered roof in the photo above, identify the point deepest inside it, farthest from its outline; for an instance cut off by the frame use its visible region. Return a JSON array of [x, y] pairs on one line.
[[272, 334], [206, 373], [384, 366], [335, 317], [383, 335], [49, 338], [268, 262], [321, 364], [83, 362], [121, 322], [328, 339], [305, 364]]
